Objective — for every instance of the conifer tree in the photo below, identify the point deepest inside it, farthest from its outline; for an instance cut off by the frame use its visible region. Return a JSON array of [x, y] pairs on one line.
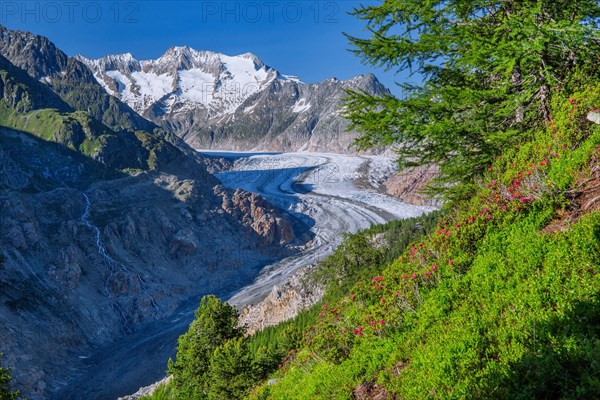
[[489, 70], [215, 324], [232, 371]]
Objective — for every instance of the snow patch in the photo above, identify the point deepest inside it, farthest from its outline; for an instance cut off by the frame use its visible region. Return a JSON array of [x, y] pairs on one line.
[[292, 78], [153, 85], [197, 86], [248, 110], [301, 106], [123, 82], [104, 84]]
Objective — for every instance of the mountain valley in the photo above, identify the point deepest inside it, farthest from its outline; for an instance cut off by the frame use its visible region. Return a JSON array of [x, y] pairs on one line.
[[113, 227]]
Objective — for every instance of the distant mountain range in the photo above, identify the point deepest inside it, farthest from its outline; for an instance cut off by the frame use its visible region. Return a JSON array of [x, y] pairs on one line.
[[238, 103], [209, 99]]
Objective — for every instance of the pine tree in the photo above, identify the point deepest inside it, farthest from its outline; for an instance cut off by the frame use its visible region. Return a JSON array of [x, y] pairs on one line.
[[215, 324], [232, 371], [489, 70], [266, 359]]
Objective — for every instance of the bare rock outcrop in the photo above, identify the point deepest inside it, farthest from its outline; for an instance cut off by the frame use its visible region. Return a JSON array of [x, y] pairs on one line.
[[265, 220], [147, 390], [184, 242], [409, 184], [67, 271], [285, 301]]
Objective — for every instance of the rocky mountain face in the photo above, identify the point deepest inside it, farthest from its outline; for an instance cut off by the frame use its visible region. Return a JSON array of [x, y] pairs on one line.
[[410, 185], [86, 264], [296, 293], [236, 103], [30, 105], [106, 232], [22, 93]]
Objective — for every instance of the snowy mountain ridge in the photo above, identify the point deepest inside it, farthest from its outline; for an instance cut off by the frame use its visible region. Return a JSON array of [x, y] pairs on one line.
[[181, 76], [216, 101]]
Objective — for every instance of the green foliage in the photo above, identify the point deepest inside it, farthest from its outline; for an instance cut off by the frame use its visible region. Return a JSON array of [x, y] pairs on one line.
[[215, 324], [272, 344], [232, 370], [355, 258], [399, 234], [5, 392], [491, 71], [365, 254], [487, 306], [162, 392]]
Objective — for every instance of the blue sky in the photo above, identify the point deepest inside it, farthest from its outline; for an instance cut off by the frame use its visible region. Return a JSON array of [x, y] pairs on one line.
[[301, 38]]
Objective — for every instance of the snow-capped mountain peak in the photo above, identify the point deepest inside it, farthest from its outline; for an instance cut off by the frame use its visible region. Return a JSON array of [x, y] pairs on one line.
[[112, 62], [182, 78], [213, 100]]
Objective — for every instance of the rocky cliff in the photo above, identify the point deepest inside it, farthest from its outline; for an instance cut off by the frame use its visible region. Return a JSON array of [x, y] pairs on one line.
[[410, 185], [87, 262], [285, 301]]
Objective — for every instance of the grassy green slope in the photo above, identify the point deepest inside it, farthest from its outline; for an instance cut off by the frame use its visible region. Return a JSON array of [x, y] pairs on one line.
[[502, 301], [361, 255]]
